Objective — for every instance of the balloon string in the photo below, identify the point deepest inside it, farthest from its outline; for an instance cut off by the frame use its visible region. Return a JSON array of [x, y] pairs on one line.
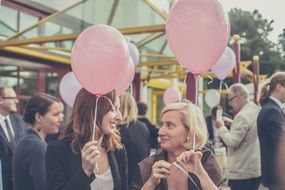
[[94, 123], [95, 113], [225, 84], [176, 163], [183, 87], [131, 89], [195, 111], [221, 85], [211, 79], [95, 118]]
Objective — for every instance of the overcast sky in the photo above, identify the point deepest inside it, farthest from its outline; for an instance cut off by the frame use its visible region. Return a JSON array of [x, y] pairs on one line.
[[269, 9]]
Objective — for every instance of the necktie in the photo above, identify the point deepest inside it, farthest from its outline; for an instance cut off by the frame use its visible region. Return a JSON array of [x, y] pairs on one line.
[[10, 134]]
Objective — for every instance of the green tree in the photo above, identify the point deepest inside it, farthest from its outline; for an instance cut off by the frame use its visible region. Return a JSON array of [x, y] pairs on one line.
[[281, 39], [254, 31]]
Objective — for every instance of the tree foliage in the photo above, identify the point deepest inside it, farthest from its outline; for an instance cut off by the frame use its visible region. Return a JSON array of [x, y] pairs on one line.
[[254, 30], [281, 39]]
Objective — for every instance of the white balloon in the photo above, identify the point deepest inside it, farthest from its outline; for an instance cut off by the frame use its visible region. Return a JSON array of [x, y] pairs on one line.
[[212, 98]]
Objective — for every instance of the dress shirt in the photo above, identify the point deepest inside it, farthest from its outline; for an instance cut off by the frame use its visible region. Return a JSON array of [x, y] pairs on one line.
[[4, 127]]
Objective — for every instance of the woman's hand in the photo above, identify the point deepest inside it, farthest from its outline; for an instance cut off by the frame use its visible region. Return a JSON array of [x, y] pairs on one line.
[[191, 161], [160, 170], [90, 155]]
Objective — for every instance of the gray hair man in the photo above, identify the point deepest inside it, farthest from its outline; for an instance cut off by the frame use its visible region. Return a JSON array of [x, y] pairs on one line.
[[242, 140]]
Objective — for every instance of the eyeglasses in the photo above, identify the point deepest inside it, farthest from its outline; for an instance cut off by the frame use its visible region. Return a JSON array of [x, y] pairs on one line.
[[231, 99], [10, 97]]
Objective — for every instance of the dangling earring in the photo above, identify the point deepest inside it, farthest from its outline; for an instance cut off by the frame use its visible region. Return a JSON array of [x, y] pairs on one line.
[[39, 129]]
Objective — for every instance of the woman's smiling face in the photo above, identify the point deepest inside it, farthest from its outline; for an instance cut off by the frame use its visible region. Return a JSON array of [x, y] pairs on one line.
[[172, 132]]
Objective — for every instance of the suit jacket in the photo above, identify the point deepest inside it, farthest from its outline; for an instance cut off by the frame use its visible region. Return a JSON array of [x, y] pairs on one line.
[[64, 168], [209, 162], [6, 152], [271, 129], [136, 138], [153, 130], [243, 146]]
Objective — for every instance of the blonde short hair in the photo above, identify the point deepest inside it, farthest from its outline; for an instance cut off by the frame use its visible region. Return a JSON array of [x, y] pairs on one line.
[[190, 115]]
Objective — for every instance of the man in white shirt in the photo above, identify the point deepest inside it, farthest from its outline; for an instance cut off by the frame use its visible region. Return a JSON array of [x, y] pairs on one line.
[[11, 131], [242, 140]]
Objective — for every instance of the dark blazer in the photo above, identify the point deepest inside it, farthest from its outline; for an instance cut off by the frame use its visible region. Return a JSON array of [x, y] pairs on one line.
[[64, 168], [152, 130], [6, 152], [29, 163], [136, 138], [271, 129], [209, 162]]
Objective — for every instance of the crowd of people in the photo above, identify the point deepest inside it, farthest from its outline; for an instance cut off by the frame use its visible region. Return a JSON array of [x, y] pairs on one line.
[[110, 143]]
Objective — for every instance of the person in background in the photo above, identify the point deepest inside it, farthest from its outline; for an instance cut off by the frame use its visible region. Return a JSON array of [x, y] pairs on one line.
[[210, 120], [153, 130], [135, 134], [178, 166], [1, 182], [271, 131], [53, 137], [241, 140], [212, 130], [76, 161], [12, 129], [42, 113]]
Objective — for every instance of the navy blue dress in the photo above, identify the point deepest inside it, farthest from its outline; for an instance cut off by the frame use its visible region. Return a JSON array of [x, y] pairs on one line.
[[29, 163]]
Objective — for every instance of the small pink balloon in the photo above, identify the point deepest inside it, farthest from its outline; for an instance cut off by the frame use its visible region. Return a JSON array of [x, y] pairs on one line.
[[197, 32], [68, 88], [171, 95], [127, 80], [99, 58], [225, 64], [134, 53]]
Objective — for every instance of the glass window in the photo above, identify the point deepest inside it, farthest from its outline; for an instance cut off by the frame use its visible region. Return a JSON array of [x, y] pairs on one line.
[[8, 21], [27, 21]]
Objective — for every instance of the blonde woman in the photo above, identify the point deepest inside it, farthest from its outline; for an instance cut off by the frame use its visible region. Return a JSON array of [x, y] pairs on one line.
[[178, 166], [135, 134]]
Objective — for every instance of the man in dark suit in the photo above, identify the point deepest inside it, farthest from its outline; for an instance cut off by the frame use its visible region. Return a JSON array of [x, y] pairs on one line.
[[271, 131], [11, 131]]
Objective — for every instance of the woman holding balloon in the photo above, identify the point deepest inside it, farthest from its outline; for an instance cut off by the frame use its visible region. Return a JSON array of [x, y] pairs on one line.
[[79, 162], [184, 162]]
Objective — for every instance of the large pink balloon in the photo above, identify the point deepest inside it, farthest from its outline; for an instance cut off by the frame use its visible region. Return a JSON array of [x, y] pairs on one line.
[[197, 32], [99, 58], [68, 88], [134, 53], [171, 95], [225, 64], [127, 80]]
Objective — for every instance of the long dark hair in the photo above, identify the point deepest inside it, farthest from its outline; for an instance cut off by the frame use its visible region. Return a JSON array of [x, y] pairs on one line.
[[80, 128], [267, 89]]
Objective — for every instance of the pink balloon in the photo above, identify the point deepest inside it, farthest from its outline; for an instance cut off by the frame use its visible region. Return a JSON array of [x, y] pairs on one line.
[[134, 53], [171, 95], [127, 80], [99, 58], [225, 64], [68, 88], [197, 32]]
